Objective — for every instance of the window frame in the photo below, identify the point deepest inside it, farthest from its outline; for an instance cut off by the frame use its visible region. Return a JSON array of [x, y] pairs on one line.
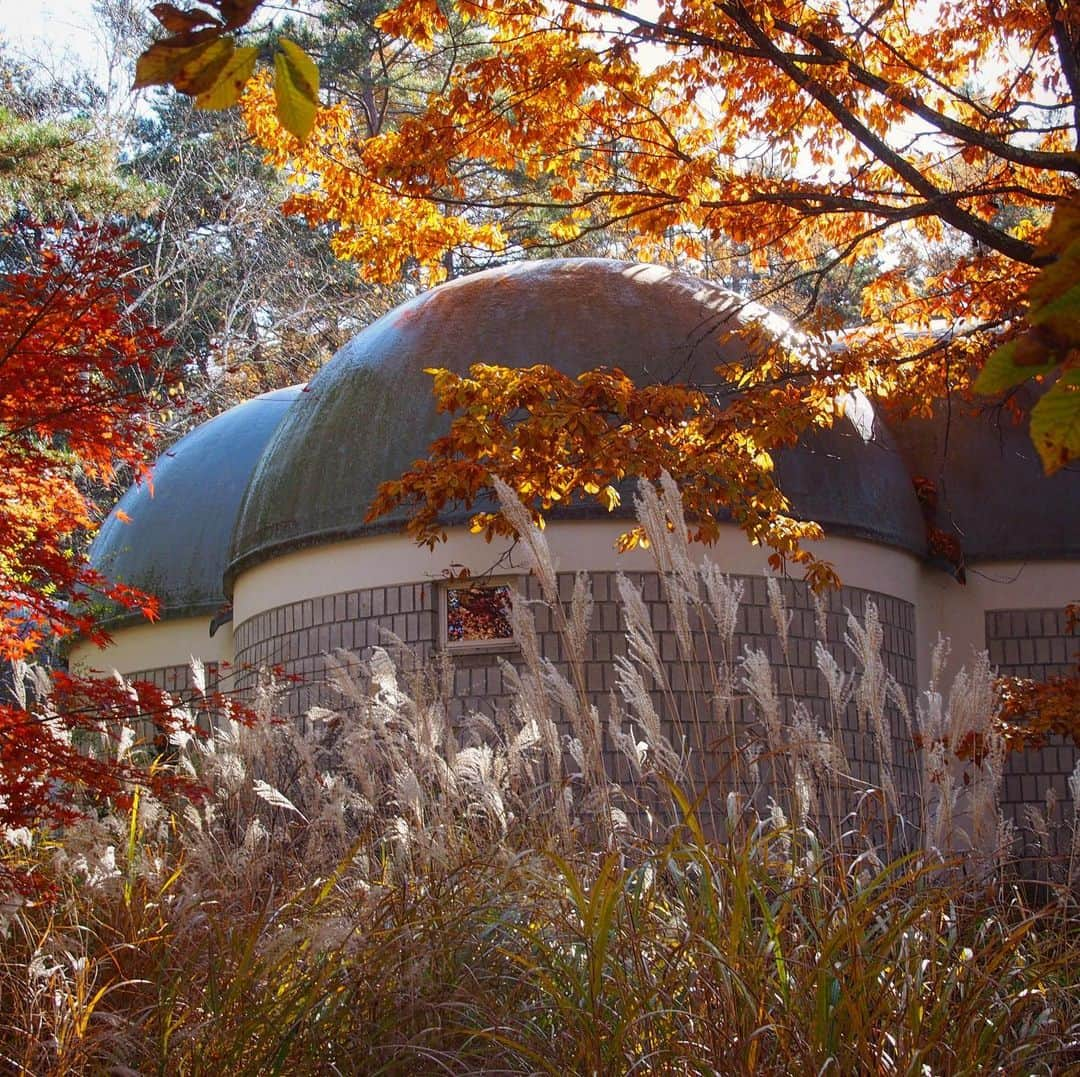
[[475, 646]]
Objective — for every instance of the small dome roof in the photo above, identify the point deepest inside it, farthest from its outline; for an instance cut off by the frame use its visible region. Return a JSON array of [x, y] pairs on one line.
[[992, 492], [370, 412], [176, 543]]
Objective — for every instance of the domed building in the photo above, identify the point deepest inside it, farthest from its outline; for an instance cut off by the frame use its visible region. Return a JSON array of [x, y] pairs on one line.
[[288, 544], [169, 536], [1018, 532]]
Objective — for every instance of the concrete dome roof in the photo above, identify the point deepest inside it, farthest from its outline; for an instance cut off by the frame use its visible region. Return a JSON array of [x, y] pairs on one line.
[[992, 492], [176, 545], [369, 413]]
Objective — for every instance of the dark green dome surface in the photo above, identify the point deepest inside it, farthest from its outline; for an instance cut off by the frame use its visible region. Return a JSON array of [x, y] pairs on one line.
[[370, 412], [176, 544], [992, 493]]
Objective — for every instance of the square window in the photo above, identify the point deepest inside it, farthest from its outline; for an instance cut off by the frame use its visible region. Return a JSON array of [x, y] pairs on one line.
[[476, 616]]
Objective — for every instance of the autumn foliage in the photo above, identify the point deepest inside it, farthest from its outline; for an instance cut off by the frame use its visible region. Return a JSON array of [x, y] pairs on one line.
[[803, 137], [50, 767], [77, 378], [934, 141], [557, 438], [78, 374]]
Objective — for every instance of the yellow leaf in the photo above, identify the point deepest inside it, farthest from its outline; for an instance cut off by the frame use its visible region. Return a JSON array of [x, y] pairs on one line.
[[231, 81], [1002, 371], [296, 88], [1055, 422], [200, 72]]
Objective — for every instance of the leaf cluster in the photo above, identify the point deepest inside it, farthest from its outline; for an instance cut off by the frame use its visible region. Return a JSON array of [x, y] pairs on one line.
[[77, 377], [1047, 345], [809, 138], [559, 440], [200, 57]]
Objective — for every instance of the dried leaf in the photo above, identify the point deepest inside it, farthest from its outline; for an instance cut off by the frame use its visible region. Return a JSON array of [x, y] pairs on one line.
[[176, 21], [163, 61]]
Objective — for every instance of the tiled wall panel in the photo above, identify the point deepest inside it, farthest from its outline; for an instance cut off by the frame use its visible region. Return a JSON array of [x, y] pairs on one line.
[[1035, 644], [297, 636]]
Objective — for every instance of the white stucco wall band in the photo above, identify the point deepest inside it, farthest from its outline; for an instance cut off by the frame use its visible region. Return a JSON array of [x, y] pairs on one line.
[[942, 604], [959, 611], [151, 646], [577, 545]]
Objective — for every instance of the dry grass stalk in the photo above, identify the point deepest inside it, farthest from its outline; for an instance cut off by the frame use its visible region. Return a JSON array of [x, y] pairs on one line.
[[381, 888]]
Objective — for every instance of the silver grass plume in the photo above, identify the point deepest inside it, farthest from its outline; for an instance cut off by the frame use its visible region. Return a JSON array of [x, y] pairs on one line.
[[821, 617], [781, 617], [757, 679], [872, 689], [632, 750], [661, 517], [577, 624], [632, 687], [725, 595], [640, 639], [537, 550]]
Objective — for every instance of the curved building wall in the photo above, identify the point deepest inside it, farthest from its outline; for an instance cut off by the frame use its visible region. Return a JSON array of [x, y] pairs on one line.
[[293, 611], [307, 575], [160, 653], [1035, 643], [169, 536], [959, 611]]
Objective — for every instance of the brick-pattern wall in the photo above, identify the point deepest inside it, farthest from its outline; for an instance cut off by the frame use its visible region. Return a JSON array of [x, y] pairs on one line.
[[296, 637], [173, 679], [1035, 644], [177, 679], [168, 678]]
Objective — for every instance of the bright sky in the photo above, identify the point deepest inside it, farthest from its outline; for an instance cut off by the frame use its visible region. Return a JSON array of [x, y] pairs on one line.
[[26, 24], [54, 31]]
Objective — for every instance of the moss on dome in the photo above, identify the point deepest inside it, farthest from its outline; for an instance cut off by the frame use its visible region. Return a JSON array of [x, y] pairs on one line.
[[370, 412]]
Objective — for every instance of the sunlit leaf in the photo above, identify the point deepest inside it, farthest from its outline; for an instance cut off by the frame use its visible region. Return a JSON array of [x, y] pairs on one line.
[[1055, 422], [296, 88], [1061, 315], [1003, 372], [198, 74], [231, 81]]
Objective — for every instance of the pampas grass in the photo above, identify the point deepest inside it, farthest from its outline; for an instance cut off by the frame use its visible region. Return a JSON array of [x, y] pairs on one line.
[[379, 888]]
